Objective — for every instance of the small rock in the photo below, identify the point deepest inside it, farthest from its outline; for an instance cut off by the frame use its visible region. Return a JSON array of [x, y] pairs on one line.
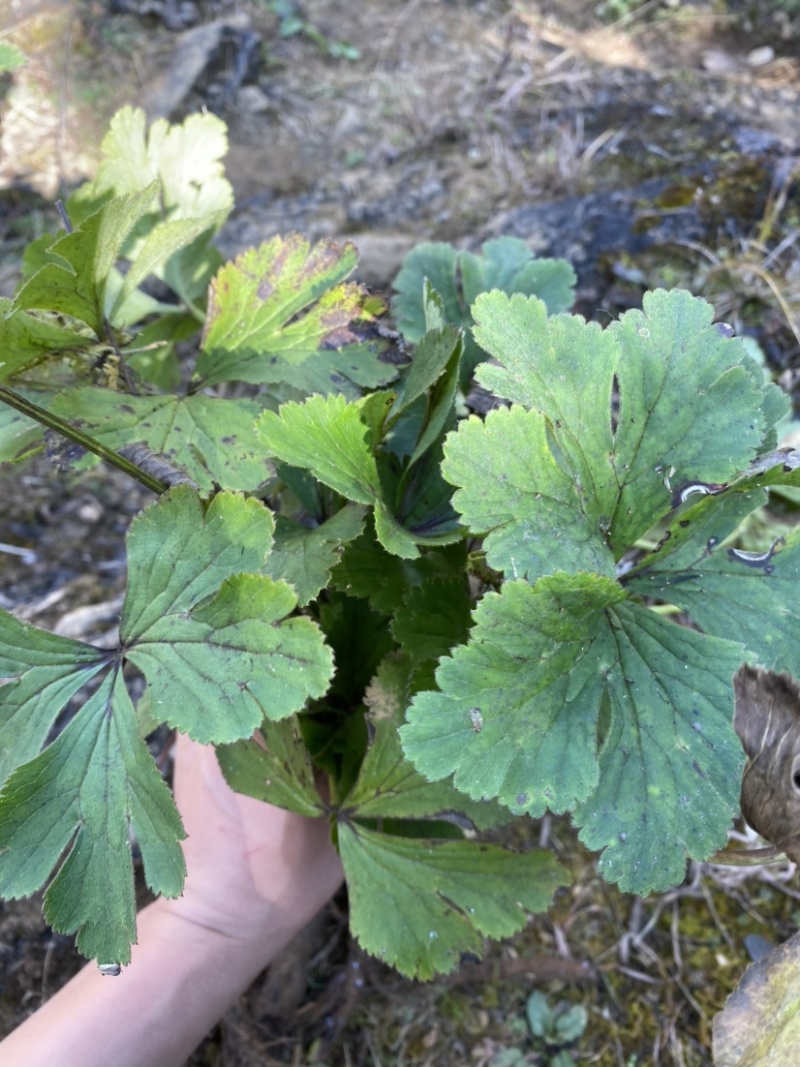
[[90, 511], [716, 61], [759, 57], [380, 256], [252, 100]]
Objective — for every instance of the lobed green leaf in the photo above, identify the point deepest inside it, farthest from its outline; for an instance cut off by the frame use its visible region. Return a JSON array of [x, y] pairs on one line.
[[219, 654], [460, 277], [670, 762], [418, 905], [75, 804], [517, 715], [279, 771], [305, 557], [568, 697], [691, 405]]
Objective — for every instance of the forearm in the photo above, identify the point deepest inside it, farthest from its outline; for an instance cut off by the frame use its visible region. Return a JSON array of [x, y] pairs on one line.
[[181, 981]]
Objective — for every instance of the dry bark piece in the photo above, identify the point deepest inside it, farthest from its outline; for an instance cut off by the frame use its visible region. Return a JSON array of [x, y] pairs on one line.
[[767, 720], [760, 1023]]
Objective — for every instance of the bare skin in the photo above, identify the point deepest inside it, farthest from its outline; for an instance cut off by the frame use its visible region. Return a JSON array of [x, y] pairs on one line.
[[255, 876]]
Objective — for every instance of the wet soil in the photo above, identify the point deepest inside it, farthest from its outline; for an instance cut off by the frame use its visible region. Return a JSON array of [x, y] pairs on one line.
[[659, 150]]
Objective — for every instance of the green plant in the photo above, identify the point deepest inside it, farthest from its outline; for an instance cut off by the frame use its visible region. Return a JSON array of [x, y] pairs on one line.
[[10, 58], [556, 1026], [447, 659], [292, 24]]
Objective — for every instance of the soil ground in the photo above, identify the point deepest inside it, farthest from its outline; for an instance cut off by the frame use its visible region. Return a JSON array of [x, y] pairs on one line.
[[656, 150]]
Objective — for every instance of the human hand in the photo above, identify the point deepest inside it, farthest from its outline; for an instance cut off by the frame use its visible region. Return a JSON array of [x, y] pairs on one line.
[[253, 870], [255, 876]]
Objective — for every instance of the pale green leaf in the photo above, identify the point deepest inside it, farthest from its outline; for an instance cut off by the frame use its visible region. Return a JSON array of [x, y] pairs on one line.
[[10, 57], [185, 158], [79, 289], [161, 243], [418, 905], [515, 486], [563, 368], [326, 436]]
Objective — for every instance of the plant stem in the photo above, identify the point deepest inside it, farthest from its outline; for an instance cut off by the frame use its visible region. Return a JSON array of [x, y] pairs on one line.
[[748, 857], [72, 433]]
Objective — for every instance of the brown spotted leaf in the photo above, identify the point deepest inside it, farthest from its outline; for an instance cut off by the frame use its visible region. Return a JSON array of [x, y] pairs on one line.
[[767, 720], [282, 314], [212, 439]]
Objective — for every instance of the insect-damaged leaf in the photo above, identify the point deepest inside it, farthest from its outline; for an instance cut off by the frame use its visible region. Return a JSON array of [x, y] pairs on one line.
[[219, 654], [276, 315]]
